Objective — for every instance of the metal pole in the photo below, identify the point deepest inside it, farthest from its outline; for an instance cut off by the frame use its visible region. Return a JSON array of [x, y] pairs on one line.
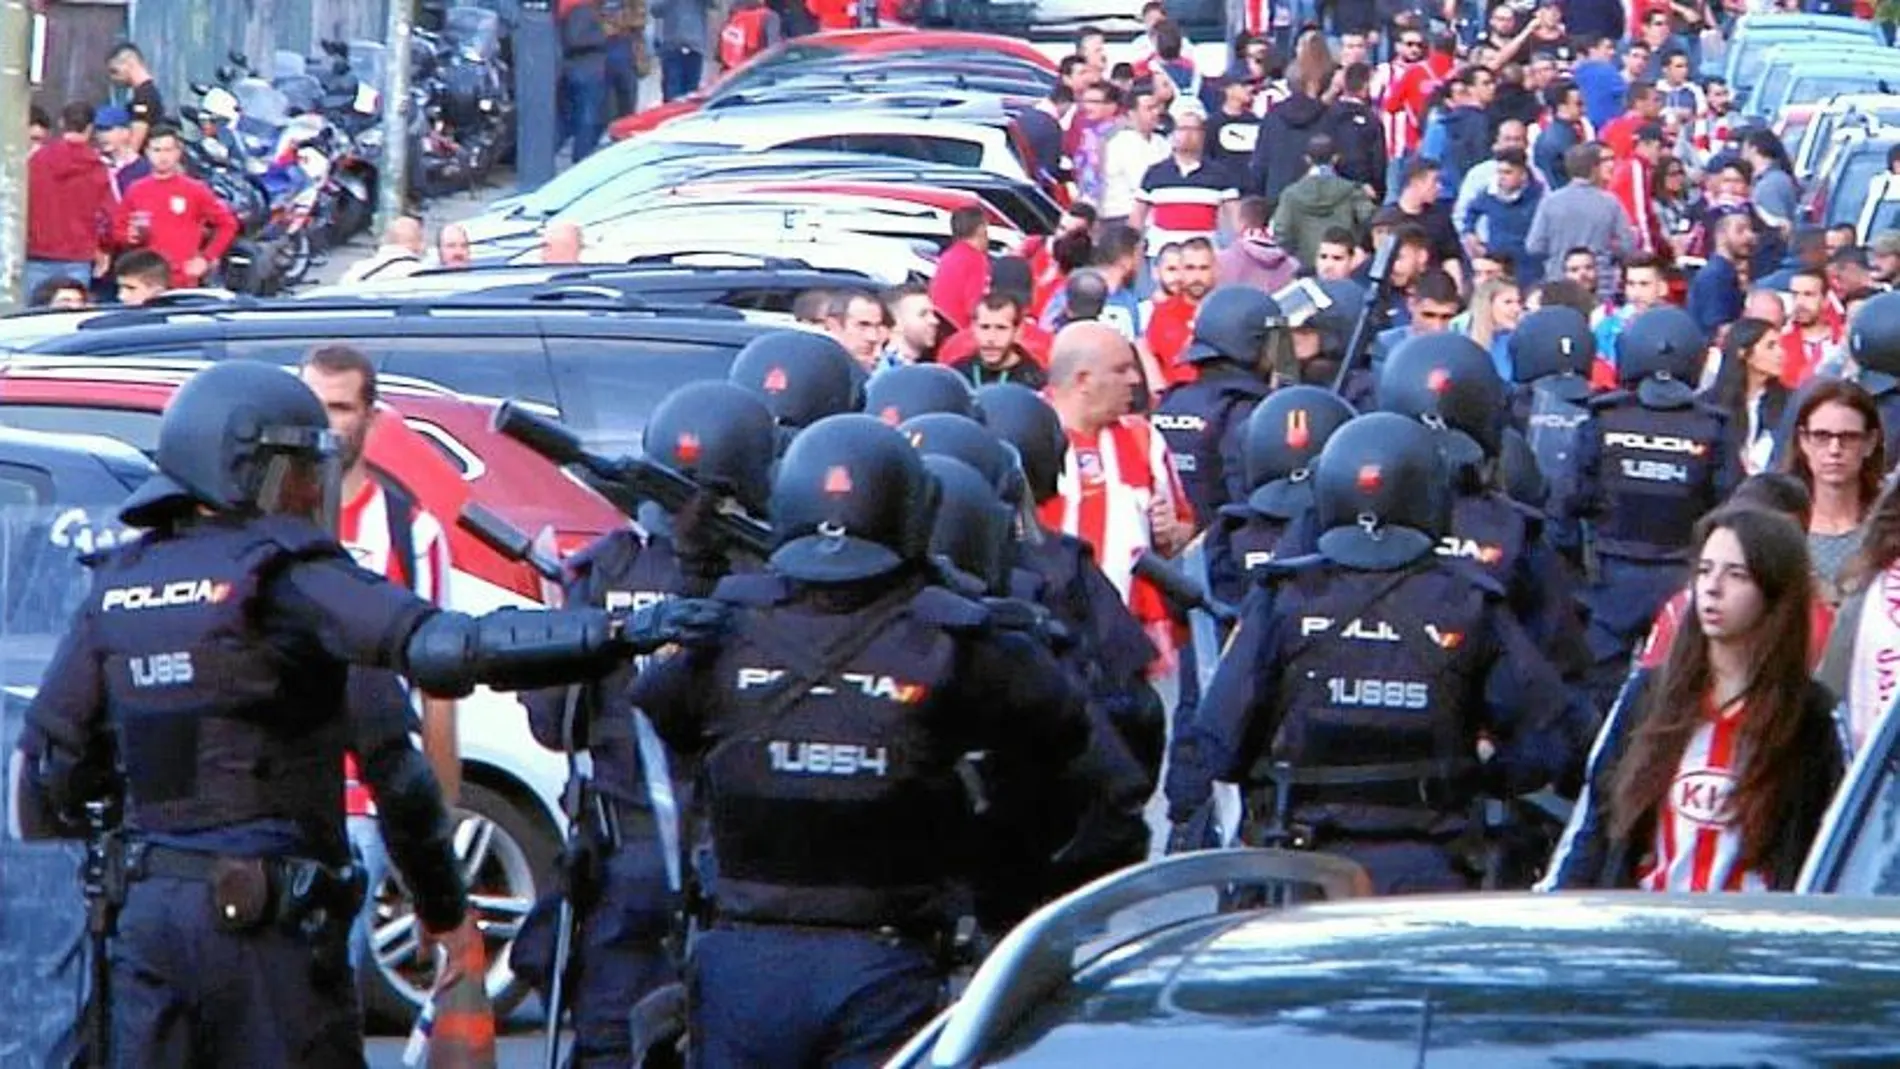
[[15, 48], [392, 186]]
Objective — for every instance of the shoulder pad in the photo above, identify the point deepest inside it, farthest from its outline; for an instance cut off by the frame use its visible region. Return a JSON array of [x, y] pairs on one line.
[[753, 589], [606, 552], [1475, 574], [291, 535], [1608, 400], [949, 610]]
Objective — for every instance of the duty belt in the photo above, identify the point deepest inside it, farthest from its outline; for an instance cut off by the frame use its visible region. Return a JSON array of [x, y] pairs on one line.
[[247, 892], [1431, 782]]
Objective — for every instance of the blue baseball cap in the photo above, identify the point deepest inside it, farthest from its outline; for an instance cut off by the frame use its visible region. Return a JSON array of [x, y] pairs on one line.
[[111, 117]]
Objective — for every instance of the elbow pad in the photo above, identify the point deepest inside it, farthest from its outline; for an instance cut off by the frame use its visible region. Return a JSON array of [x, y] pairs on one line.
[[417, 829], [511, 649]]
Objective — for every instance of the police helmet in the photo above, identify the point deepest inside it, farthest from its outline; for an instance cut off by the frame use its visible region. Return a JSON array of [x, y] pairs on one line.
[[1382, 491], [1874, 341], [974, 530], [241, 437], [851, 501], [1662, 343], [802, 376], [1233, 323], [1447, 380], [1023, 419], [902, 392], [1283, 436], [1554, 340], [720, 436], [1334, 322], [948, 435]]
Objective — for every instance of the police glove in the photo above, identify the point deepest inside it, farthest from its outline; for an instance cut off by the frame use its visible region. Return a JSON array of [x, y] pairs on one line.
[[686, 621]]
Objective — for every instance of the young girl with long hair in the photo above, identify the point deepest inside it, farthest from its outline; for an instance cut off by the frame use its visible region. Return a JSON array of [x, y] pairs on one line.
[[1748, 387], [1712, 772]]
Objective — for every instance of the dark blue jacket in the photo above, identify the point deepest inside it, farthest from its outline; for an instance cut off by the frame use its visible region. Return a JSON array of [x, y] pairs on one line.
[[1507, 226]]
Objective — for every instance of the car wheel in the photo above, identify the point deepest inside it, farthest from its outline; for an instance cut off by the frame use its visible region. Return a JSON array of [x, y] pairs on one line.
[[507, 856]]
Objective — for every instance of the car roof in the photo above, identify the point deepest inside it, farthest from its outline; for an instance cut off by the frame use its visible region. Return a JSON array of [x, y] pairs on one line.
[[1559, 969], [848, 112], [20, 445], [522, 280]]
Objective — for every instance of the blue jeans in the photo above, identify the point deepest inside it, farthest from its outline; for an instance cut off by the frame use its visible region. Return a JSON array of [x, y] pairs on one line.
[[623, 93], [680, 68], [586, 93], [40, 272]]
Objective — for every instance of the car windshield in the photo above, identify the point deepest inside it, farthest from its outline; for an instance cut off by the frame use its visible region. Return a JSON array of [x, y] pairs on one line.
[[1752, 49], [1869, 159], [608, 173], [1812, 88]]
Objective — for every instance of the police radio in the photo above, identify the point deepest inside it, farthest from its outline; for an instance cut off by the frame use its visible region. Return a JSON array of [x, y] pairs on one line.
[[1364, 328]]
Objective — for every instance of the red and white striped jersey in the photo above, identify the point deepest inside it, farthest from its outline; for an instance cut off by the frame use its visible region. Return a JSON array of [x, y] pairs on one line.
[[1109, 480], [363, 528], [1698, 845], [1401, 90]]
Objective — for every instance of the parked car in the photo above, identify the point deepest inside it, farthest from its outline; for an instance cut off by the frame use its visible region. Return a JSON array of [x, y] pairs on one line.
[[601, 364], [1784, 63], [440, 449], [754, 285], [1473, 980], [834, 43], [1755, 34], [1843, 111], [1840, 185]]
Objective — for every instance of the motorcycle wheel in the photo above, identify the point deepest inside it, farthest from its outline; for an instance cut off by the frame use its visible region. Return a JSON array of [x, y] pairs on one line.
[[293, 259]]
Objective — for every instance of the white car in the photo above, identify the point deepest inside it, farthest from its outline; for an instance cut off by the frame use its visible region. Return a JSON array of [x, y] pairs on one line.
[[960, 128]]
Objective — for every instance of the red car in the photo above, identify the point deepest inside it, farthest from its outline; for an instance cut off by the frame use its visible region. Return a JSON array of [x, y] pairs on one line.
[[834, 42], [441, 450]]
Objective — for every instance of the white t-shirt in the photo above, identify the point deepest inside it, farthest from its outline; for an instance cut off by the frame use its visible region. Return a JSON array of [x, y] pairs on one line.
[[1125, 162]]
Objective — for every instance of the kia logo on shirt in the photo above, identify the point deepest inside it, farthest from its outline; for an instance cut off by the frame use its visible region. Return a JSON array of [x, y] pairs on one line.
[[1703, 796]]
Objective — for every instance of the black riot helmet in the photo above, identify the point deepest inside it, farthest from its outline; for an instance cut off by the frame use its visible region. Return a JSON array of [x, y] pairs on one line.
[[1554, 340], [1382, 491], [1662, 343], [719, 435], [851, 501], [1023, 419], [1233, 323], [1874, 340], [974, 529], [802, 376], [1283, 437], [914, 389], [948, 435], [1447, 380], [1334, 322], [242, 438]]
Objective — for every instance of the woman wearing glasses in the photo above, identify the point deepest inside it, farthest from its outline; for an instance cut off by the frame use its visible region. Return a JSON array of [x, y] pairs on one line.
[[1840, 453]]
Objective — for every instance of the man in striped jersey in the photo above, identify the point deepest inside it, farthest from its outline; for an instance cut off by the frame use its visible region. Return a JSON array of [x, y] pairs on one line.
[[387, 532], [1119, 492]]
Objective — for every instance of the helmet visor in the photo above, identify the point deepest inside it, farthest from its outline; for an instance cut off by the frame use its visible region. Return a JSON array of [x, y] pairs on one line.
[[302, 476]]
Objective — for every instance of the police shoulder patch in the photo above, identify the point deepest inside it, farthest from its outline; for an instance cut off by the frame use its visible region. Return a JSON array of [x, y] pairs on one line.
[[949, 610], [753, 589]]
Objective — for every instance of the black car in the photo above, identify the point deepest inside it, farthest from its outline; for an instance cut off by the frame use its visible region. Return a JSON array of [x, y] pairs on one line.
[[1476, 980], [602, 362], [764, 284]]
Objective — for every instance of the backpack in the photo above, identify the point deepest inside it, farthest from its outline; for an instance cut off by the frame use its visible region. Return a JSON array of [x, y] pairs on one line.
[[742, 37]]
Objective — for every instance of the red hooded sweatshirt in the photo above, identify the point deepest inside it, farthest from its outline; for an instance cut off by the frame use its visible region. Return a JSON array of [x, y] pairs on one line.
[[68, 201], [177, 211]]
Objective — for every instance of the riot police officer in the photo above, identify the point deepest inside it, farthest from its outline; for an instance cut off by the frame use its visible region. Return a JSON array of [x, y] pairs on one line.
[[1448, 382], [1873, 339], [829, 724], [1202, 420], [1373, 693], [802, 377], [900, 393], [1319, 347], [972, 535], [209, 663], [624, 873], [1283, 437], [1651, 459], [1058, 571], [1552, 351]]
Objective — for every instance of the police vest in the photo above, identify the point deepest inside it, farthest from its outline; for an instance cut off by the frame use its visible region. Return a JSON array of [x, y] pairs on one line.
[[1657, 474], [842, 806], [1553, 426], [1194, 419], [620, 573], [215, 726], [1381, 669], [1490, 531]]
